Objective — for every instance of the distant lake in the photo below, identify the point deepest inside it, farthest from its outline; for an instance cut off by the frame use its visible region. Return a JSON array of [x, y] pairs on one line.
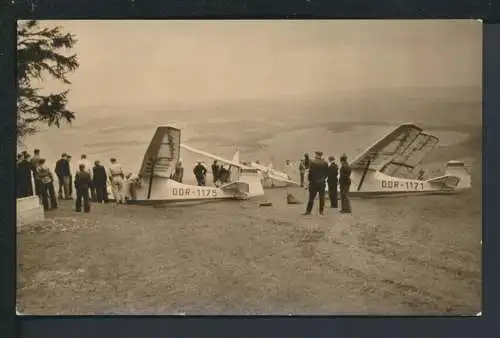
[[256, 140]]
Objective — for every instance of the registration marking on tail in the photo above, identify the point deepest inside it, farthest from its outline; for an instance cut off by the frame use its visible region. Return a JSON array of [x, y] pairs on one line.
[[402, 185]]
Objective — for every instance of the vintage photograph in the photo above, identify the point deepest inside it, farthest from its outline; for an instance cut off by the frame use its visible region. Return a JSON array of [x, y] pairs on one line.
[[249, 167]]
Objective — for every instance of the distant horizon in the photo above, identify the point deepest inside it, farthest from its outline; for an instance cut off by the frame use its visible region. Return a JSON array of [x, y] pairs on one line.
[[316, 96]]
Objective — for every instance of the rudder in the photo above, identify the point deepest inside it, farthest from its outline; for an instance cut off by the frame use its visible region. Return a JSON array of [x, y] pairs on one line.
[[458, 169]]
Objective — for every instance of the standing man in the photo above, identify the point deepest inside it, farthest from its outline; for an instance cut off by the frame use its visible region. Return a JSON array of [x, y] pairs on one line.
[[307, 161], [117, 178], [88, 168], [288, 169], [179, 171], [62, 172], [345, 184], [302, 172], [332, 180], [200, 173], [215, 172], [68, 158], [46, 187], [82, 185], [24, 176], [34, 167], [100, 182], [318, 171]]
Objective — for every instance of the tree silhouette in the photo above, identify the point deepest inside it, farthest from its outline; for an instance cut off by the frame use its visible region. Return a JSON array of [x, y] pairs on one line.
[[41, 51]]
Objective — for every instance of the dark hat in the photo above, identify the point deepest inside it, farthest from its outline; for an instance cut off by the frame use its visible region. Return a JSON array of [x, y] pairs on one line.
[[319, 153], [331, 158], [343, 157]]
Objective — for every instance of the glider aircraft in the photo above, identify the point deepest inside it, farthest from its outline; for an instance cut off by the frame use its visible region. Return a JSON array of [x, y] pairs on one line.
[[377, 171], [158, 165]]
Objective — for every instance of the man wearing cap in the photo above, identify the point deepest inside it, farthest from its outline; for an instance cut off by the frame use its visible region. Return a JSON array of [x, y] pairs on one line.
[[345, 184], [318, 171], [332, 180], [62, 173], [200, 173], [24, 176]]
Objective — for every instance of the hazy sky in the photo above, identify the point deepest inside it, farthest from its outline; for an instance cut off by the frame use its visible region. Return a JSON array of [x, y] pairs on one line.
[[132, 62]]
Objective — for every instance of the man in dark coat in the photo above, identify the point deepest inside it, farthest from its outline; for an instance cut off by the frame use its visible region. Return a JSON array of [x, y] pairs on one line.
[[82, 187], [318, 171], [24, 177], [332, 180], [215, 171], [68, 158], [307, 161], [302, 172], [200, 173], [62, 172], [345, 185], [100, 182]]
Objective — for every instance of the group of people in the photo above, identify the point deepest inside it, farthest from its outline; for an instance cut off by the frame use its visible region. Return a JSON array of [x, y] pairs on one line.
[[90, 182], [322, 173], [220, 173]]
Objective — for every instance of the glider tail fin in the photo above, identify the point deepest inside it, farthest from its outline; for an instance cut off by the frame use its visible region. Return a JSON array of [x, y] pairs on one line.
[[458, 169]]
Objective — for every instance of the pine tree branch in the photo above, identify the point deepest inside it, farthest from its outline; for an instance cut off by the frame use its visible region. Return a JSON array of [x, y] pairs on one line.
[[41, 51]]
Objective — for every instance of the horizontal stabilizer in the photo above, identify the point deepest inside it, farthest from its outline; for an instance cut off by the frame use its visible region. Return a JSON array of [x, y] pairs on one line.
[[279, 178], [447, 181], [238, 189], [273, 174]]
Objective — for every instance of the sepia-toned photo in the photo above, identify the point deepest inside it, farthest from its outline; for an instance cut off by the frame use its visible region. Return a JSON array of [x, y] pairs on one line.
[[249, 167]]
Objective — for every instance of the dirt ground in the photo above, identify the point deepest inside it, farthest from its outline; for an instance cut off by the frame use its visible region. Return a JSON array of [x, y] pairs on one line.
[[415, 255], [412, 255]]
